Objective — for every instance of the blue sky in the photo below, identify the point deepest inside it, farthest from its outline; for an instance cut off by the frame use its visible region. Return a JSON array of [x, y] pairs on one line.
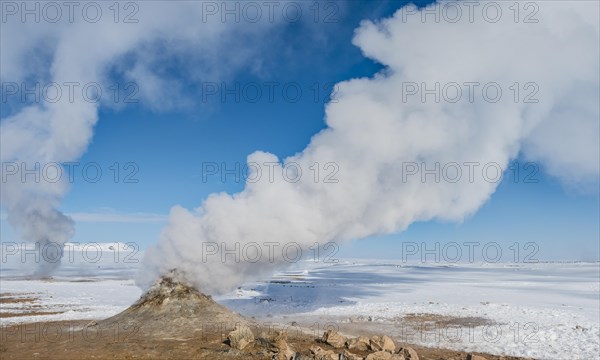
[[167, 148]]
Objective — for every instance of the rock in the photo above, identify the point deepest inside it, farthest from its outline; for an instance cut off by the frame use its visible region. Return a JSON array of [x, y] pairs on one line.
[[408, 353], [388, 344], [273, 340], [321, 354], [285, 354], [240, 337], [379, 355], [375, 344], [475, 357], [350, 356], [360, 343], [383, 343], [334, 339]]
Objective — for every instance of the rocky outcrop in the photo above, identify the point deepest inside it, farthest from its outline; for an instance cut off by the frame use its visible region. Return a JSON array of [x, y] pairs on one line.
[[335, 339], [382, 343], [321, 354], [285, 354], [276, 341], [360, 343], [240, 337], [347, 355]]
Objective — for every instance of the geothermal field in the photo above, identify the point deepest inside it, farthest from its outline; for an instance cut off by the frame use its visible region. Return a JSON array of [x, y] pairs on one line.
[[539, 310], [300, 180]]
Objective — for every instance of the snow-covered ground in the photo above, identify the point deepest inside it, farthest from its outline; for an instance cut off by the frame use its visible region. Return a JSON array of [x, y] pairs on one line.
[[94, 281], [541, 310]]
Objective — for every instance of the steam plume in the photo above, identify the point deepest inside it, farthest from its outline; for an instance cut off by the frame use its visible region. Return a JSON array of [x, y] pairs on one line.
[[76, 50], [372, 132]]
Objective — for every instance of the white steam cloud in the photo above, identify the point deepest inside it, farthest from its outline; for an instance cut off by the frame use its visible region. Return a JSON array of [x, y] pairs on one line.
[[372, 132], [80, 48]]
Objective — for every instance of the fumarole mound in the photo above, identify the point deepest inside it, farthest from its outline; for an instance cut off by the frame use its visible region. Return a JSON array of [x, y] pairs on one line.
[[172, 308]]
